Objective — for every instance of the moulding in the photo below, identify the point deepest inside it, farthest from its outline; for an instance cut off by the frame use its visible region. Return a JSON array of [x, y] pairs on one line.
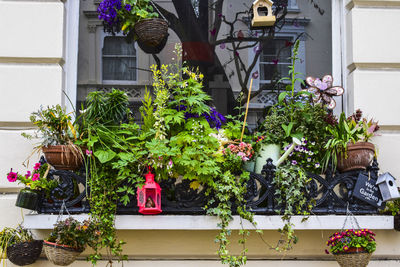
[[372, 3], [202, 222], [374, 66]]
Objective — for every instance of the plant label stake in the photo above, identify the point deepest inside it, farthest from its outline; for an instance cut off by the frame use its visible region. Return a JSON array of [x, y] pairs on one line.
[[262, 11], [367, 191], [149, 196], [247, 110]]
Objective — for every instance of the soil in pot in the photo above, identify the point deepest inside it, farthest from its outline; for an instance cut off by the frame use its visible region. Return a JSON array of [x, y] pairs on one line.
[[359, 156], [63, 157], [28, 199]]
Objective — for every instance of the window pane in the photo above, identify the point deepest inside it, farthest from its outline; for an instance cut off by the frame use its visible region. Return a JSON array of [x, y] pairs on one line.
[[119, 68], [116, 45]]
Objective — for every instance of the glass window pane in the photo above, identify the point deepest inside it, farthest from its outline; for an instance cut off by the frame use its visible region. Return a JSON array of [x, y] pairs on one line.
[[117, 45], [119, 68]]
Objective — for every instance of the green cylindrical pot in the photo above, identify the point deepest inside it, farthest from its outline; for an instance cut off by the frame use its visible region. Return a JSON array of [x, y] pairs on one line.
[[249, 165], [267, 151], [28, 199]]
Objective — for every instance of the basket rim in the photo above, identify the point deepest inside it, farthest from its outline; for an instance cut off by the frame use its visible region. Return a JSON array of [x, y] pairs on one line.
[[25, 242], [60, 246]]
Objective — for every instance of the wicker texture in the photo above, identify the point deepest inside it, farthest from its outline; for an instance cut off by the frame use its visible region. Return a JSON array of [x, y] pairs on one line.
[[60, 255], [353, 259], [25, 253], [152, 34]]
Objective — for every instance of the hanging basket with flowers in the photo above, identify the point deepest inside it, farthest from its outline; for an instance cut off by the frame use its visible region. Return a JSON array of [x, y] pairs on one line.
[[352, 248], [137, 19]]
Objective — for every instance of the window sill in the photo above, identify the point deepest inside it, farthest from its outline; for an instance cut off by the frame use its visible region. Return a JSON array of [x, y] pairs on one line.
[[202, 222]]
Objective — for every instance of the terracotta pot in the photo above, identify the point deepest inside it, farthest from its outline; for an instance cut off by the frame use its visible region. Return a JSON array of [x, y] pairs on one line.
[[359, 156], [62, 157]]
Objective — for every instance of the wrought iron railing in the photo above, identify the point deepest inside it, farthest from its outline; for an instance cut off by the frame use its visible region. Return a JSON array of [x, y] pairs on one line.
[[332, 193]]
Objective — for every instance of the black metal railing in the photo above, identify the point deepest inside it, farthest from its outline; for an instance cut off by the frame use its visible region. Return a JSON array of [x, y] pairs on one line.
[[332, 192]]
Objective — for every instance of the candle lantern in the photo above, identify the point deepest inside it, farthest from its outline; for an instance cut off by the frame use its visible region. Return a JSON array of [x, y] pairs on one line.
[[149, 196], [262, 12]]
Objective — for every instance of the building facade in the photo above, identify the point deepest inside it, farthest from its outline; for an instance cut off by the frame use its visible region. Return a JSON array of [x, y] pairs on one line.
[[45, 57]]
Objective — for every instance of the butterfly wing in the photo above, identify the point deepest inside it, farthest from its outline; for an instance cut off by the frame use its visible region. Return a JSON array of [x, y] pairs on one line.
[[335, 91], [316, 94], [328, 79], [310, 81]]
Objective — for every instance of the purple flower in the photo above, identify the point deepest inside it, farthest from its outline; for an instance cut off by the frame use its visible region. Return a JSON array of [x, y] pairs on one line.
[[37, 166], [294, 162], [128, 7], [107, 11], [89, 152], [28, 174], [317, 165], [12, 176], [214, 118], [296, 148]]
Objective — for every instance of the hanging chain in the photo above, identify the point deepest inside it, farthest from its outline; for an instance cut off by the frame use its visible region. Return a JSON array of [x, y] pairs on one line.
[[154, 5], [353, 219]]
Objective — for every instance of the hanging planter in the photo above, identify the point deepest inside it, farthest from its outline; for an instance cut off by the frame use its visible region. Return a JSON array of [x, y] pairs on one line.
[[28, 199], [354, 257], [152, 34], [25, 253], [61, 255], [352, 248], [63, 157]]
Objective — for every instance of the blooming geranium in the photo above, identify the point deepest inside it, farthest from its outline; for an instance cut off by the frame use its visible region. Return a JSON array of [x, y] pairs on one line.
[[343, 241], [243, 150], [12, 176]]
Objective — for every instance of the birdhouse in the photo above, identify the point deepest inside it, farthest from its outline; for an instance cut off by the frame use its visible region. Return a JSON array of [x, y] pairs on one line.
[[387, 186], [262, 11], [149, 196]]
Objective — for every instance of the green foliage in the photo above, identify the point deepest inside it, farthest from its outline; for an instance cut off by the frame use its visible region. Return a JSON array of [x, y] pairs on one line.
[[224, 192], [11, 236], [71, 232], [273, 128], [393, 207], [290, 185], [141, 9], [147, 112], [341, 242], [54, 126]]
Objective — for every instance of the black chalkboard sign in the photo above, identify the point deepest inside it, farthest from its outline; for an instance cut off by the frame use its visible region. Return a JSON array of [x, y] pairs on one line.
[[367, 191]]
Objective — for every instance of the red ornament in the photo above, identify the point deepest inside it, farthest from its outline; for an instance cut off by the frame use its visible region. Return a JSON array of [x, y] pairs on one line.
[[149, 196]]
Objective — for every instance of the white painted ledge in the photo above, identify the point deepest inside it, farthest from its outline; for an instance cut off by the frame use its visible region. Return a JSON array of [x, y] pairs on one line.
[[202, 222]]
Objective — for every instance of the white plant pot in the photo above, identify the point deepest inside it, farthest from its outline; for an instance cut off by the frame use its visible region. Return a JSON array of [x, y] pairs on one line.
[[267, 151]]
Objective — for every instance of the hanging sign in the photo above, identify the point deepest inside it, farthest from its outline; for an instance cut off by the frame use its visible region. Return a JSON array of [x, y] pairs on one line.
[[367, 191]]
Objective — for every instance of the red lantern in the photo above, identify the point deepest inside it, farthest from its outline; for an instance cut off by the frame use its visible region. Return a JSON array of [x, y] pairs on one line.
[[149, 196]]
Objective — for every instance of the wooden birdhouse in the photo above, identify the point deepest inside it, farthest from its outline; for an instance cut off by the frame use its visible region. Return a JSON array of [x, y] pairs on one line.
[[387, 186], [262, 11], [149, 196]]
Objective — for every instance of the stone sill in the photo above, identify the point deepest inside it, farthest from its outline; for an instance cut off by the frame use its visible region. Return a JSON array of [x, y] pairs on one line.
[[202, 222]]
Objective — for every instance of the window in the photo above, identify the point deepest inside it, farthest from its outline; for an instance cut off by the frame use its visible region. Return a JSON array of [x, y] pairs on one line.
[[119, 59]]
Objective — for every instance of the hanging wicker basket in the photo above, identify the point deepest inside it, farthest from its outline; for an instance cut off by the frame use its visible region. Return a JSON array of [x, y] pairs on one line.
[[60, 254], [355, 257], [152, 34], [25, 253]]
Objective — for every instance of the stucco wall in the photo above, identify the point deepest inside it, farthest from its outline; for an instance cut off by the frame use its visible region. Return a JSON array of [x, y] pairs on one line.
[[31, 73]]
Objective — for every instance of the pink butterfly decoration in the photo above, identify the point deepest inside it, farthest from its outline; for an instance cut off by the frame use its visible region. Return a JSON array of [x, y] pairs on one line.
[[323, 91]]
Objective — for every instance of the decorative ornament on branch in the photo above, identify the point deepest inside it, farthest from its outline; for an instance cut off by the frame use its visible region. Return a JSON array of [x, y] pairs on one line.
[[323, 91]]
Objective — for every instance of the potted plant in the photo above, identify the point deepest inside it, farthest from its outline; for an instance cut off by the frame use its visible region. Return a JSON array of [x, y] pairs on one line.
[[348, 147], [19, 246], [352, 247], [58, 135], [68, 240], [36, 183], [135, 18]]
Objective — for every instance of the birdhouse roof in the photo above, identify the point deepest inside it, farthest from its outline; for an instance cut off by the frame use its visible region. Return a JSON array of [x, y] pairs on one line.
[[269, 2], [384, 177]]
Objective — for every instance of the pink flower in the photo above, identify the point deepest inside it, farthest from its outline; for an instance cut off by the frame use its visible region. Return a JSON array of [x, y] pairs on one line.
[[28, 174], [89, 152], [12, 176], [37, 166], [36, 177]]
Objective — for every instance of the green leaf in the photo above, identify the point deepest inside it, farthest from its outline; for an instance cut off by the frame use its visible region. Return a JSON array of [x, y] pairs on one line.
[[104, 155]]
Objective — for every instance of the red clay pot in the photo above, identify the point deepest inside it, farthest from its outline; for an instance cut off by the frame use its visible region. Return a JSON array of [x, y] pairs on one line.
[[63, 157], [359, 156]]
